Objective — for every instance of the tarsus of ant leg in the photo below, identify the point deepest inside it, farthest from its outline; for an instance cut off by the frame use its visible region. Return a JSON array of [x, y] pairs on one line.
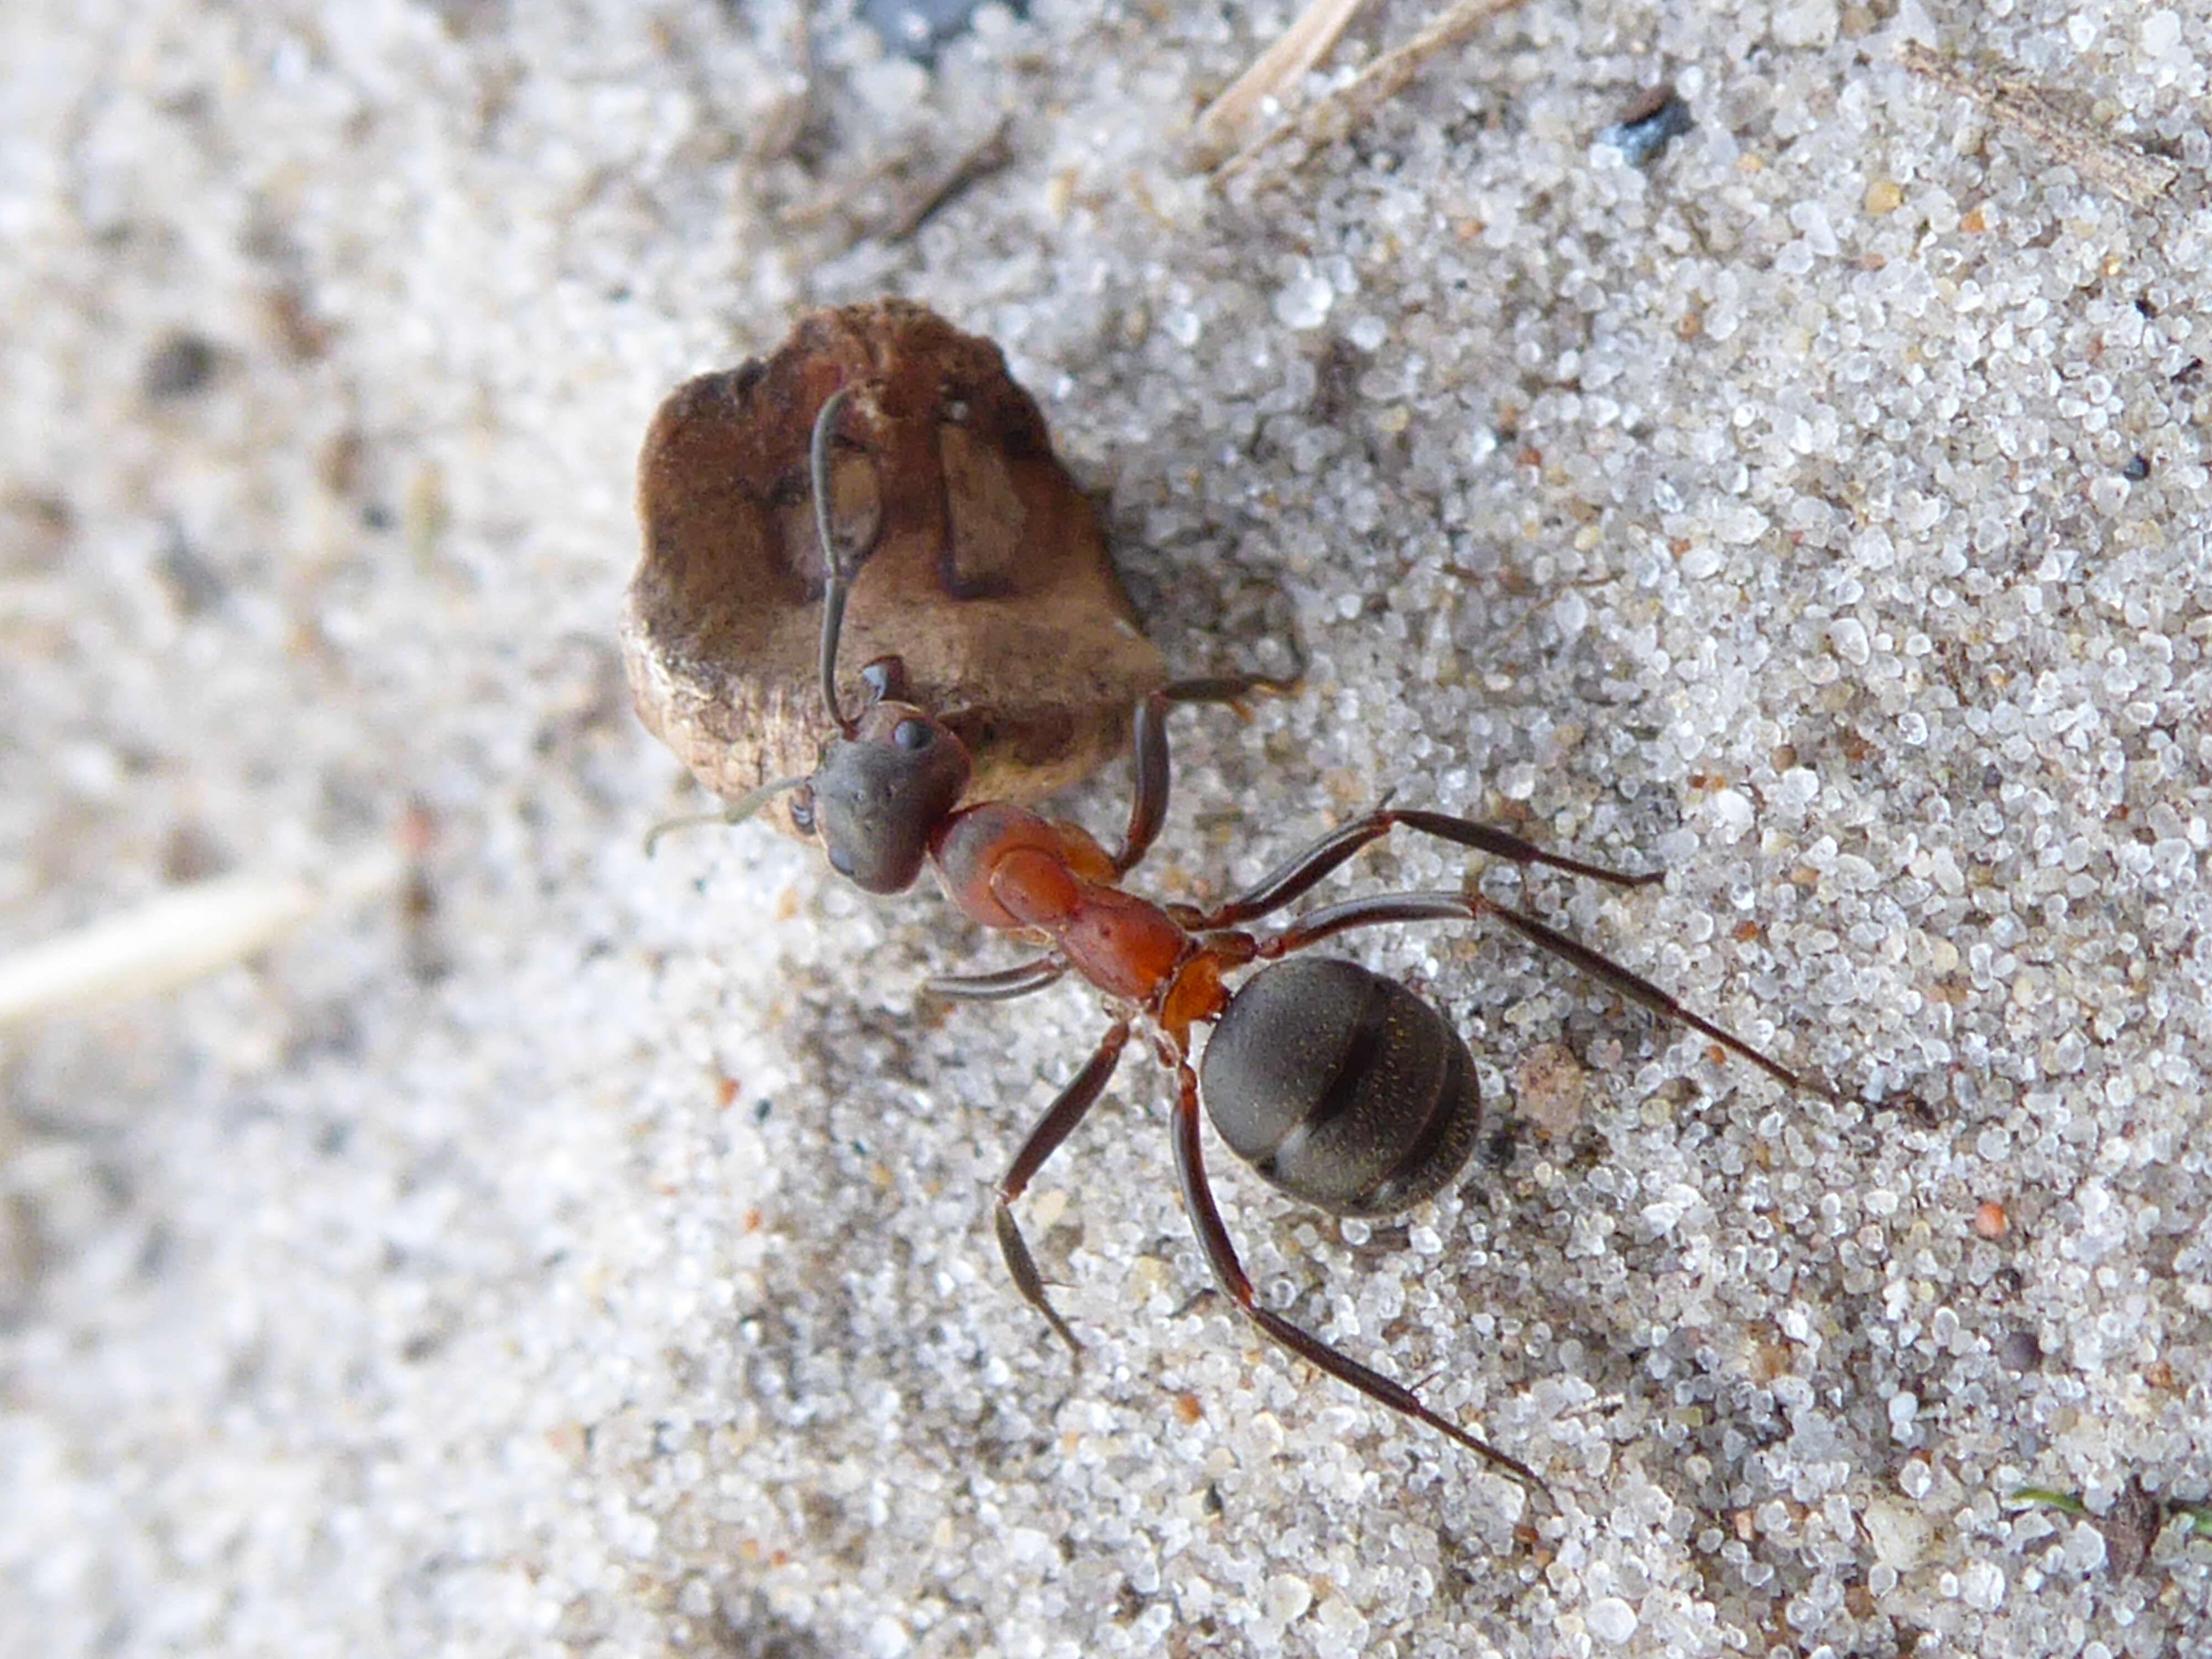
[[1229, 1273], [1148, 807], [1458, 907], [1000, 984], [1228, 688], [1056, 1125], [1293, 878]]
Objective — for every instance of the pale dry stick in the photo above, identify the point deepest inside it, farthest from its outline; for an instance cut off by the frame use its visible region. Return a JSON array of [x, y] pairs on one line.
[[988, 154], [827, 204], [2040, 115], [1228, 119], [783, 116], [182, 934], [1336, 114]]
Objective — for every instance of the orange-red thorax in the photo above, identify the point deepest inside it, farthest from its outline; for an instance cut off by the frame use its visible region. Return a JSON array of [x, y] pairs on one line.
[[1008, 869]]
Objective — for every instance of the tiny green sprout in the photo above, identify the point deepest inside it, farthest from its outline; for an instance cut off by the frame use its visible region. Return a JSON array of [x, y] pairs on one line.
[[2199, 1515], [2049, 1498]]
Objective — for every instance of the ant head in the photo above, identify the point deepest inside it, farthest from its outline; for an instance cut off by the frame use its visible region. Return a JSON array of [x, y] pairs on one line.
[[879, 792]]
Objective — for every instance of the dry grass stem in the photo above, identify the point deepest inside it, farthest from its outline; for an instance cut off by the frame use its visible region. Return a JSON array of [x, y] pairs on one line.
[[2046, 119], [1332, 117], [1228, 119]]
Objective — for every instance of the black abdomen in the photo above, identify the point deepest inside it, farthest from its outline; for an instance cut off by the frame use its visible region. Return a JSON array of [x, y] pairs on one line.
[[1341, 1087]]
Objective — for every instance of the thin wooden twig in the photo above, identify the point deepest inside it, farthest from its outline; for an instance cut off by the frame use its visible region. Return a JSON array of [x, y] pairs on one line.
[[2043, 116], [1227, 122], [1332, 116], [180, 935], [990, 154]]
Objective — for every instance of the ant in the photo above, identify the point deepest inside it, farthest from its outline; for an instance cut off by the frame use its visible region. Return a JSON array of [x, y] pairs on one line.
[[1339, 1087]]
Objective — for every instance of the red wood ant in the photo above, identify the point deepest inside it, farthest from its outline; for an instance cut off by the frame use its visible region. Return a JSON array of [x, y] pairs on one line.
[[1338, 1085]]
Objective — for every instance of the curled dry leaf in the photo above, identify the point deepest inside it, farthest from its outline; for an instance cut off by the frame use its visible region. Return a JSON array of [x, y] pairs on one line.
[[988, 571]]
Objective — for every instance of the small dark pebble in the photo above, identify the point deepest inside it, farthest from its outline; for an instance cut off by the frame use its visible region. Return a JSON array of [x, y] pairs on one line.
[[2019, 1352], [916, 28], [181, 365], [2137, 470], [2131, 1530], [1497, 1149], [467, 20], [197, 586], [1645, 130], [192, 853]]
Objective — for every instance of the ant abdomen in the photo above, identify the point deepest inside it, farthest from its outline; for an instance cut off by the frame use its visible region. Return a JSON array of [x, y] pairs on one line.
[[1341, 1087]]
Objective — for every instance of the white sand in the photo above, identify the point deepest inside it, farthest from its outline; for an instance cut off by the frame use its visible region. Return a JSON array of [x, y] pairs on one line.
[[1765, 513]]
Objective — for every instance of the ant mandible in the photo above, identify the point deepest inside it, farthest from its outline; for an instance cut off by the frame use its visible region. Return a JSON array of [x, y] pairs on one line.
[[1339, 1087]]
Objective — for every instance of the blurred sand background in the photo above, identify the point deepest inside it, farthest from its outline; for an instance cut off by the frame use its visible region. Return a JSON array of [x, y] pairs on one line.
[[540, 1249]]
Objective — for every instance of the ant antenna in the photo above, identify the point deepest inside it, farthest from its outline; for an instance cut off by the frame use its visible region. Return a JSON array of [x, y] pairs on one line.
[[736, 812], [745, 805], [837, 578], [837, 584]]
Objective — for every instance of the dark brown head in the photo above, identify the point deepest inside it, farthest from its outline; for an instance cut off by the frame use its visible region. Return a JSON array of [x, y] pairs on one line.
[[880, 792]]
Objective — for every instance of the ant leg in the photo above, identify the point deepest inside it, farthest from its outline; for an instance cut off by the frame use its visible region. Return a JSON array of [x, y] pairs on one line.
[[1231, 689], [1148, 808], [1058, 1123], [1297, 874], [1456, 906], [1229, 1273], [999, 985]]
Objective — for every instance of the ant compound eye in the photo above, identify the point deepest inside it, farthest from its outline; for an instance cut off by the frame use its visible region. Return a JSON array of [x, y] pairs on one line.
[[912, 734], [842, 862]]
